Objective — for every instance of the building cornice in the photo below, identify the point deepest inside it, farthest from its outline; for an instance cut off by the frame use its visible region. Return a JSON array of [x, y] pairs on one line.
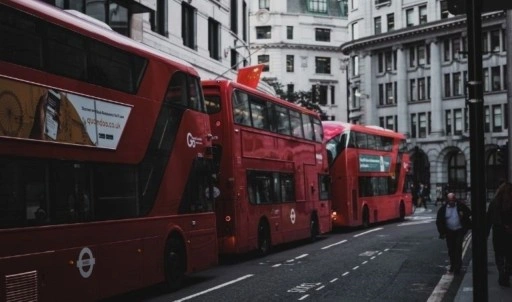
[[283, 45], [412, 34]]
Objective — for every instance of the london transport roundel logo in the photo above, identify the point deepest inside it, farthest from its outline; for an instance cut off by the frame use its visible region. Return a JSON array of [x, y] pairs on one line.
[[85, 262], [292, 216]]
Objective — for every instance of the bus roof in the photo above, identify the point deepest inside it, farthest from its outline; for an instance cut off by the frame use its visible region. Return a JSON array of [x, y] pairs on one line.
[[275, 99], [334, 128], [74, 23]]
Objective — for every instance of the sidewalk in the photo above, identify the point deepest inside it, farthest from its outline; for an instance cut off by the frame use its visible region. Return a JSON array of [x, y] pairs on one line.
[[495, 293]]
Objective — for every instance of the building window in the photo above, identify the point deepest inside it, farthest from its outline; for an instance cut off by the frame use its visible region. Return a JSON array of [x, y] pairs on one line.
[[355, 31], [495, 40], [264, 59], [412, 90], [423, 55], [506, 116], [322, 34], [422, 125], [391, 21], [377, 25], [355, 65], [319, 94], [188, 25], [333, 98], [389, 94], [486, 79], [421, 89], [444, 9], [497, 121], [289, 32], [457, 121], [161, 18], [505, 86], [448, 122], [446, 50], [264, 4], [495, 78], [234, 16], [457, 91], [234, 59], [214, 38], [323, 65], [412, 56], [355, 98], [487, 119], [381, 94], [263, 32], [244, 21], [428, 88], [485, 42], [423, 14], [380, 58], [466, 119], [388, 60], [456, 49], [317, 6], [290, 89], [457, 169], [290, 63], [413, 125], [409, 21], [447, 84]]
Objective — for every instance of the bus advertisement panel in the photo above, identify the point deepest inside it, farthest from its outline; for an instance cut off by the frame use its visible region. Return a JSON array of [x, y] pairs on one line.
[[104, 164], [272, 178], [368, 167]]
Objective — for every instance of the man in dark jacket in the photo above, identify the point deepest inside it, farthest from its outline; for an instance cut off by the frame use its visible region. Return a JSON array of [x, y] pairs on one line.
[[453, 221]]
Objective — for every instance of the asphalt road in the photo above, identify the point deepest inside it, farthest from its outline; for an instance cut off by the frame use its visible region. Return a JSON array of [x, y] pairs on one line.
[[396, 261]]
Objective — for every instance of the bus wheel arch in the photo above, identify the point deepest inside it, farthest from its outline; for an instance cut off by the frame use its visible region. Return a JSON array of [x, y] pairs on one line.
[[314, 227], [264, 238], [401, 210], [365, 217], [175, 261]]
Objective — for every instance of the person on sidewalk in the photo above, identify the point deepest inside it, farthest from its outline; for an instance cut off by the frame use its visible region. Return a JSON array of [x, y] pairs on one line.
[[453, 221], [499, 218]]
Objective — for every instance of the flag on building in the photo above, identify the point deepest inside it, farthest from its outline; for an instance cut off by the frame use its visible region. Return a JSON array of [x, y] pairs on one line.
[[250, 75]]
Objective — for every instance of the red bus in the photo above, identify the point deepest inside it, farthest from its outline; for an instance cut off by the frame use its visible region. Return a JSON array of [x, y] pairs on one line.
[[272, 182], [368, 168], [104, 161]]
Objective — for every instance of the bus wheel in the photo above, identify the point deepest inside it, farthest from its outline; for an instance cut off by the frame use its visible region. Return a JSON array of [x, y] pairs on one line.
[[314, 228], [402, 211], [263, 238], [174, 263], [366, 217]]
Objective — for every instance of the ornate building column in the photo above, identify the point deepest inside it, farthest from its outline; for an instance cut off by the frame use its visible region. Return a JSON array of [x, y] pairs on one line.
[[402, 101], [436, 88]]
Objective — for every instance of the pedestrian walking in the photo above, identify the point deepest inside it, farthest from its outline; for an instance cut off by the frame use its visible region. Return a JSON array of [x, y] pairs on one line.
[[422, 198], [499, 218], [439, 195], [453, 221]]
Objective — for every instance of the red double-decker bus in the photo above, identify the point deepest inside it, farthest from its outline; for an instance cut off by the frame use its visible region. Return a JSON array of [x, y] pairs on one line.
[[105, 161], [368, 167], [272, 178]]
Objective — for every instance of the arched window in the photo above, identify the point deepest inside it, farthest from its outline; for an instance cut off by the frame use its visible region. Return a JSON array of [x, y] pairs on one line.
[[457, 170]]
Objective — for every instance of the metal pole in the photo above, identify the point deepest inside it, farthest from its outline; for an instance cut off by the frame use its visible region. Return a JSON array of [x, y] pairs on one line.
[[476, 133], [509, 91]]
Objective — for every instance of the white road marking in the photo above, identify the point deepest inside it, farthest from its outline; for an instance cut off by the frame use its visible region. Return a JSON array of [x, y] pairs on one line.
[[355, 267], [334, 280], [276, 265], [301, 256], [364, 233], [345, 273], [303, 297], [214, 288], [443, 285], [364, 262], [417, 222], [334, 244], [372, 258], [320, 287]]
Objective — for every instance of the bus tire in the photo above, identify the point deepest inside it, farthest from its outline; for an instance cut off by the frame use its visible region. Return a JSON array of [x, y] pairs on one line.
[[314, 228], [174, 263], [264, 243], [402, 211], [366, 217]]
